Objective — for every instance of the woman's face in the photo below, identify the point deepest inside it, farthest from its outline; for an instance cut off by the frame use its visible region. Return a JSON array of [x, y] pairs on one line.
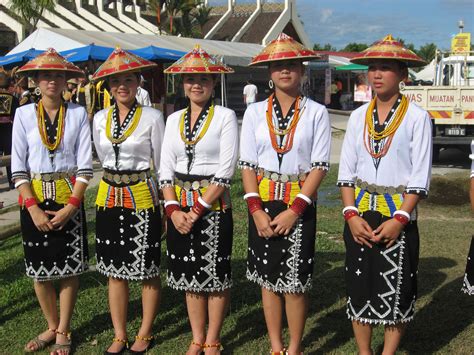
[[51, 82], [286, 74], [198, 87], [124, 87], [385, 76]]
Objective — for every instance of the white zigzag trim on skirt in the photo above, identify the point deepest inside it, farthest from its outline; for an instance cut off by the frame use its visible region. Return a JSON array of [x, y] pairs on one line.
[[467, 287], [378, 321], [280, 287]]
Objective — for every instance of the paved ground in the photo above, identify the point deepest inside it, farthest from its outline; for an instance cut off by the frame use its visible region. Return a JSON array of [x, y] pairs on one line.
[[451, 160]]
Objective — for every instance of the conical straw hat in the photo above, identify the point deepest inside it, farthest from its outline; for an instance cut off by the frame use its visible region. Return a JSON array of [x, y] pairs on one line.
[[284, 48], [50, 60], [121, 61], [388, 48], [198, 61]]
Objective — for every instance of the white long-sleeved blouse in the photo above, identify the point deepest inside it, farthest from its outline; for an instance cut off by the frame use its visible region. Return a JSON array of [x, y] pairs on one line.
[[29, 155], [407, 162], [135, 153], [311, 143], [215, 154], [472, 158]]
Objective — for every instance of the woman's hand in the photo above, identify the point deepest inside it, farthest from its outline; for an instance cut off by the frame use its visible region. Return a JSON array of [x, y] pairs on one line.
[[262, 222], [388, 232], [61, 217], [284, 222], [40, 219], [181, 222], [361, 231], [192, 217]]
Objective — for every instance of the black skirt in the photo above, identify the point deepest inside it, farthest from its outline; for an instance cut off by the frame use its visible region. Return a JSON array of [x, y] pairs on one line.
[[200, 261], [468, 281], [128, 243], [382, 283], [284, 263], [55, 254]]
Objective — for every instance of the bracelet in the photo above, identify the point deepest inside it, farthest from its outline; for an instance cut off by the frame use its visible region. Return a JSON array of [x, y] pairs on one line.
[[402, 213], [171, 202], [401, 218], [306, 198], [83, 180], [254, 204], [251, 194], [73, 200], [204, 203], [21, 182], [349, 208], [349, 214], [30, 201], [172, 207], [299, 205], [199, 208]]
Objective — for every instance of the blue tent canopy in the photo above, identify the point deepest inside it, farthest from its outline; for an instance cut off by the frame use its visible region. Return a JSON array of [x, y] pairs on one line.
[[19, 58], [86, 53], [158, 54]]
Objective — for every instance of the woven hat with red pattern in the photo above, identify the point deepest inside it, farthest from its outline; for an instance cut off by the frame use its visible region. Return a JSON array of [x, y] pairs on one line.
[[388, 48], [50, 60], [284, 48], [121, 61], [196, 62]]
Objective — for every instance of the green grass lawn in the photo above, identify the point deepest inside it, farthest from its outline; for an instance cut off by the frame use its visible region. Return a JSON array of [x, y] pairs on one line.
[[443, 322]]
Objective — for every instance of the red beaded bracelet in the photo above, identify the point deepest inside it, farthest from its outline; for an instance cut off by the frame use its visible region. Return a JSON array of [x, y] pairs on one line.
[[402, 219], [30, 201], [73, 200], [170, 209], [198, 208], [349, 214], [299, 206], [254, 204]]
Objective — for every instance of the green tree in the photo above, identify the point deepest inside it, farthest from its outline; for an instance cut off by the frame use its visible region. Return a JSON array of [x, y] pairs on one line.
[[354, 47], [201, 16], [327, 47], [427, 52], [410, 46], [30, 11]]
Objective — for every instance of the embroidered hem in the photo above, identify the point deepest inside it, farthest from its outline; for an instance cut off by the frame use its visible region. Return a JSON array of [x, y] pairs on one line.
[[378, 321], [58, 277], [254, 277], [126, 277]]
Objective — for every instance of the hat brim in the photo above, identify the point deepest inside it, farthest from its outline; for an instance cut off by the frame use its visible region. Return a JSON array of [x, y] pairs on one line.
[[280, 58], [199, 70], [410, 63], [111, 72], [70, 74]]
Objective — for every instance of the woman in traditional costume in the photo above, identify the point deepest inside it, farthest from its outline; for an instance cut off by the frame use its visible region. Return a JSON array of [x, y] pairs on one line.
[[468, 282], [284, 155], [127, 137], [384, 171], [197, 163], [51, 167]]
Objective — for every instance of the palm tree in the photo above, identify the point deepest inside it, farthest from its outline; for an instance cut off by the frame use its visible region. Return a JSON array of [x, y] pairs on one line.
[[30, 11], [201, 15]]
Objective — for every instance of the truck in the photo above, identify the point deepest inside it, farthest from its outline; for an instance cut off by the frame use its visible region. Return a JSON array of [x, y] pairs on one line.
[[449, 101]]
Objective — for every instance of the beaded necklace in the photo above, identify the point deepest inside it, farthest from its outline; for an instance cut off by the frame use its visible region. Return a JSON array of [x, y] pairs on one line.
[[43, 130], [203, 131], [275, 131], [128, 132], [370, 133]]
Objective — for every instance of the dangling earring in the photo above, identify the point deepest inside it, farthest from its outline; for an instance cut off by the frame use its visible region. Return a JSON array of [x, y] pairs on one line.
[[271, 85], [401, 85]]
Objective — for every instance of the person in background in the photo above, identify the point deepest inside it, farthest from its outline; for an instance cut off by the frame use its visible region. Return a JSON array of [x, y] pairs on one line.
[[128, 139], [8, 106], [143, 97], [197, 163], [284, 156], [86, 96], [22, 91], [51, 167], [250, 93], [384, 171], [69, 95]]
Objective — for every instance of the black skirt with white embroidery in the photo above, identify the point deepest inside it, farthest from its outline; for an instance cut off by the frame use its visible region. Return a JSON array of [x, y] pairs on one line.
[[128, 243], [200, 261], [55, 254], [468, 281], [285, 263], [381, 282]]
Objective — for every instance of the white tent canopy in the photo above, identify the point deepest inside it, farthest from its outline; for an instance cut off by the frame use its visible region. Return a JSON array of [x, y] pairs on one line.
[[233, 53], [428, 72]]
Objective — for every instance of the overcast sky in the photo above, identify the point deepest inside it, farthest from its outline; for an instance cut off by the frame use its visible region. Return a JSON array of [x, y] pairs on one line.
[[339, 22]]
